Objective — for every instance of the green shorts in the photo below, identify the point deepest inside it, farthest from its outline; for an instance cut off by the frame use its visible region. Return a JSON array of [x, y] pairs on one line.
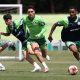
[[24, 45], [77, 43], [41, 42]]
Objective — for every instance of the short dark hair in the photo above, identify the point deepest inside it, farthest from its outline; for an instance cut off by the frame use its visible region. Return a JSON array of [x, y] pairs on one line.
[[31, 7], [7, 16], [73, 7]]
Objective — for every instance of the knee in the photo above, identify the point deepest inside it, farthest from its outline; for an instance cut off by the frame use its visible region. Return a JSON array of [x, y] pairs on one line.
[[34, 45], [74, 49], [36, 52]]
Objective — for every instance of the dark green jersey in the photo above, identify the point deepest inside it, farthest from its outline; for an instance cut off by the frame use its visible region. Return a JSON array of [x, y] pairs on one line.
[[17, 30], [71, 29], [13, 28], [65, 22]]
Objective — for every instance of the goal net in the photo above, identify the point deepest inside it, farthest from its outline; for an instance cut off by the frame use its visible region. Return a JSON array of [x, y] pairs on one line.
[[16, 11]]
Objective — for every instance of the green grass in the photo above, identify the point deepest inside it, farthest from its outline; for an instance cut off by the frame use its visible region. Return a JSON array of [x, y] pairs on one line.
[[60, 61]]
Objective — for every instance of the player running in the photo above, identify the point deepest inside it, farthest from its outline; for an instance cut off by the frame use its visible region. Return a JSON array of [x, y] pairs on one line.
[[37, 29], [70, 32]]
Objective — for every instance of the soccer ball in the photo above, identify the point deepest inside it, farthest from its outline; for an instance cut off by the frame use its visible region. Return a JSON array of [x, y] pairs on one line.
[[73, 70]]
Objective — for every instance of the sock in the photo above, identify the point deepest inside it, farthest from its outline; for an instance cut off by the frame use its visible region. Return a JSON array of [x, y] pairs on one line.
[[2, 67], [9, 43], [47, 57], [44, 64], [36, 65]]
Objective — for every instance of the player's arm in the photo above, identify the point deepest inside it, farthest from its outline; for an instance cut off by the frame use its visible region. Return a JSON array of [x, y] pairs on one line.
[[42, 32], [5, 34], [62, 22], [52, 30], [4, 46]]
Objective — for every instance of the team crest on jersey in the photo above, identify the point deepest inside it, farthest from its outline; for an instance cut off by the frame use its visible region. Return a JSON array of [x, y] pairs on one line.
[[34, 23]]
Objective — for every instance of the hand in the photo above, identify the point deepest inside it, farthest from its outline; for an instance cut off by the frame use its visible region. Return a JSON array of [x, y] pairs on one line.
[[50, 38], [1, 33]]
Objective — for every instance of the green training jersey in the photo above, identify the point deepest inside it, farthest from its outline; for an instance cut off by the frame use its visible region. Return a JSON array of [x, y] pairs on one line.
[[65, 22], [71, 28], [35, 26], [14, 26], [17, 29]]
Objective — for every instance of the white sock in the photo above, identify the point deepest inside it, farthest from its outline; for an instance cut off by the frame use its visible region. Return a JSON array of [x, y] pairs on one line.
[[2, 67], [44, 64], [9, 43], [47, 57], [36, 65]]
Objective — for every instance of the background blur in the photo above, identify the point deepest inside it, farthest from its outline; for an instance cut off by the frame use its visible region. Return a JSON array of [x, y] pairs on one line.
[[46, 6]]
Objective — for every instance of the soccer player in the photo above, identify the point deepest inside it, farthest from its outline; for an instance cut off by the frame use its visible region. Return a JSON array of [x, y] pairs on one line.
[[37, 29], [18, 31], [70, 32], [2, 47]]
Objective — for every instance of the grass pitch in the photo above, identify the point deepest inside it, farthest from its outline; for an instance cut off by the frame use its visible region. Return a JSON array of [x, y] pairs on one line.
[[60, 61]]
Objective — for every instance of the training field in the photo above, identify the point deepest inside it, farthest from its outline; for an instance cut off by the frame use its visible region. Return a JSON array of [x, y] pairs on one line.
[[60, 61]]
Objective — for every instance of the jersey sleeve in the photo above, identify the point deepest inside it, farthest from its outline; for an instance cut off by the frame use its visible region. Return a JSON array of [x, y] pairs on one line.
[[63, 22], [41, 23], [27, 33], [8, 30], [17, 23]]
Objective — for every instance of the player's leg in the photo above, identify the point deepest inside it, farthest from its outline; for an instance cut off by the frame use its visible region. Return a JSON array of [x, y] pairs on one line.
[[72, 46], [43, 48], [29, 59], [4, 46], [38, 53]]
